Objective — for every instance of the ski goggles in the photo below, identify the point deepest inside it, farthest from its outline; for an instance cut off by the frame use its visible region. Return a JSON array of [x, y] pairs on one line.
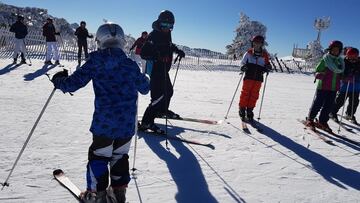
[[164, 25]]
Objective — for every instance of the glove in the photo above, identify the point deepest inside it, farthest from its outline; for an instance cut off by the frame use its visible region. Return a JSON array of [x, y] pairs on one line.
[[319, 76], [181, 53], [91, 36], [59, 75], [57, 33], [243, 68]]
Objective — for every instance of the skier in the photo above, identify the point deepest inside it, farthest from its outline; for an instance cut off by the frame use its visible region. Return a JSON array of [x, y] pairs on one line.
[[352, 72], [158, 51], [138, 44], [20, 30], [52, 47], [116, 81], [329, 72], [255, 63], [82, 35]]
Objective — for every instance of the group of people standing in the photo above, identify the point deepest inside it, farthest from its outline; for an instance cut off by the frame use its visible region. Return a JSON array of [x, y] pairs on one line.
[[49, 32], [116, 81], [338, 79]]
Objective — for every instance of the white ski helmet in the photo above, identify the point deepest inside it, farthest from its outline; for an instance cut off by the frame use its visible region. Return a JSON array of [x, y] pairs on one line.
[[110, 35]]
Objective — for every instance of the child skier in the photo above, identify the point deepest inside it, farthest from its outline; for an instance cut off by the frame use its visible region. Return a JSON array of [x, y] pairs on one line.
[[351, 75], [255, 63], [116, 82], [329, 72]]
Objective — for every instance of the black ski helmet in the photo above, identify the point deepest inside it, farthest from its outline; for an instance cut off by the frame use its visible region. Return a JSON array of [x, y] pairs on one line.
[[166, 16], [335, 43], [144, 33], [82, 23]]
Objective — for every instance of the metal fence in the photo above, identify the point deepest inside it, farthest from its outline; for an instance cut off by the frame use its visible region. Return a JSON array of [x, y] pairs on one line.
[[36, 49]]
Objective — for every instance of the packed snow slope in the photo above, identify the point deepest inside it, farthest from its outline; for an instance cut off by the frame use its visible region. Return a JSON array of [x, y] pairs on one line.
[[284, 163]]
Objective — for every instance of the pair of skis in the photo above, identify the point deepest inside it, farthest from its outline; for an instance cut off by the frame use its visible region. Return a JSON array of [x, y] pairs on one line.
[[254, 124], [323, 138], [180, 139]]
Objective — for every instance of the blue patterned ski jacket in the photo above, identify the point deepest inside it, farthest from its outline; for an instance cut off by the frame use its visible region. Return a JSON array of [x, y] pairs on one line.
[[116, 82]]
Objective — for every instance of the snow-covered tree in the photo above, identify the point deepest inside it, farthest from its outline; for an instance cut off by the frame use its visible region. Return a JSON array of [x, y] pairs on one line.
[[315, 53], [244, 32]]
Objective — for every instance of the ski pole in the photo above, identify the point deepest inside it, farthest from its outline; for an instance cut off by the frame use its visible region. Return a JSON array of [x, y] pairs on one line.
[[27, 53], [262, 97], [352, 99], [342, 112], [27, 139], [176, 69], [136, 135], [237, 87]]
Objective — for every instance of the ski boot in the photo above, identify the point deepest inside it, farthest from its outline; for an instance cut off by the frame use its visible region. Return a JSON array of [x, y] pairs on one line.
[[119, 193], [57, 62], [310, 123], [334, 117], [250, 114], [242, 114], [15, 59], [23, 60], [48, 63], [93, 197], [172, 115], [150, 127], [323, 126], [353, 120]]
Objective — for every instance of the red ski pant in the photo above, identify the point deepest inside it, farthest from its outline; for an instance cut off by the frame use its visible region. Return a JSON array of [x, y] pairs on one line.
[[249, 93]]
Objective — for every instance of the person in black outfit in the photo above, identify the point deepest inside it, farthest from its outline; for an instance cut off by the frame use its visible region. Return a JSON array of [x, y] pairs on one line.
[[20, 30], [51, 44], [158, 49], [82, 35]]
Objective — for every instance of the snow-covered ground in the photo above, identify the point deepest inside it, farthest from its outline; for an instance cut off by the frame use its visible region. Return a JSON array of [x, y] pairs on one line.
[[284, 163]]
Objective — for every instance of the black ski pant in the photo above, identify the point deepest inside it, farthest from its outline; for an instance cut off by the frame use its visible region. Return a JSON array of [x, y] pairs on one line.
[[82, 45], [103, 152], [340, 101], [161, 91], [324, 101]]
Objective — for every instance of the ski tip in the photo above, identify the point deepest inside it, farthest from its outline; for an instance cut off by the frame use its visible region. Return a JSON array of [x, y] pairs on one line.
[[57, 172], [211, 146]]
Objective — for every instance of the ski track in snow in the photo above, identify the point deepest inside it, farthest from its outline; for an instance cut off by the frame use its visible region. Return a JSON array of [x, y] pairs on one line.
[[283, 163]]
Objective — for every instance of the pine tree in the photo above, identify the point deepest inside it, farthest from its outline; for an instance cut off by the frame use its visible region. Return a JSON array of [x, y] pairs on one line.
[[244, 32]]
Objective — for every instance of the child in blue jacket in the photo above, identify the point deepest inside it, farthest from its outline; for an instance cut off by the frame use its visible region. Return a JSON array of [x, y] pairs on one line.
[[116, 81]]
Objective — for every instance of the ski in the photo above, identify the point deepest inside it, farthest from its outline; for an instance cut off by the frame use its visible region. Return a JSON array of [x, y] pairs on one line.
[[350, 120], [245, 128], [179, 139], [341, 137], [196, 120], [64, 181], [344, 127], [316, 133], [255, 125]]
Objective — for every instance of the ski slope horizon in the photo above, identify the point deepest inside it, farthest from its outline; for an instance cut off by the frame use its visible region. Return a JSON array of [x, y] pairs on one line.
[[284, 163]]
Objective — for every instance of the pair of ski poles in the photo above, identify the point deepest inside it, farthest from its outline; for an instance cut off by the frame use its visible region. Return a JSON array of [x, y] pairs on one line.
[[237, 87]]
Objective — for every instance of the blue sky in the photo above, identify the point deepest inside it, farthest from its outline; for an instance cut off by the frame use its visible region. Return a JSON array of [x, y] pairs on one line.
[[211, 24]]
